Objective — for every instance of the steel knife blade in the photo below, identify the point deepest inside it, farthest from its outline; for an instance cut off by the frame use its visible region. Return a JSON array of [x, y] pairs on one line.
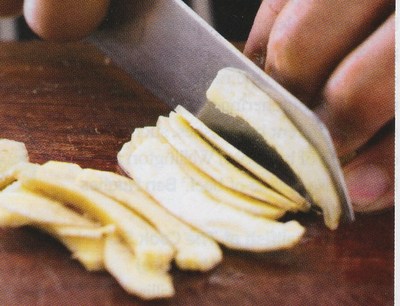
[[175, 54]]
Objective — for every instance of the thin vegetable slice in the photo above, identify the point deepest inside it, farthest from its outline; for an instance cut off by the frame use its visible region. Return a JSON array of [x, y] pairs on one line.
[[12, 153], [214, 188], [189, 202], [192, 147], [139, 280], [239, 157], [40, 209], [194, 250], [233, 93], [149, 246]]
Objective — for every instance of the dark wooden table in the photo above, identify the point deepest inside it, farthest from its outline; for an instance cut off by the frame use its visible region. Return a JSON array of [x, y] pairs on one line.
[[69, 103]]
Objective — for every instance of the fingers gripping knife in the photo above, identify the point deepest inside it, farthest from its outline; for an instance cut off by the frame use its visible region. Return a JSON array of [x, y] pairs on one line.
[[171, 51]]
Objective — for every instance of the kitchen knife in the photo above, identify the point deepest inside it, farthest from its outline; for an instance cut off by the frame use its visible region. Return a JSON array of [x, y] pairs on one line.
[[175, 54]]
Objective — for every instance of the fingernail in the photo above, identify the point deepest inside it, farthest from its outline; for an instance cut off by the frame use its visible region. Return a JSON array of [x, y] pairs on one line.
[[367, 184], [258, 58]]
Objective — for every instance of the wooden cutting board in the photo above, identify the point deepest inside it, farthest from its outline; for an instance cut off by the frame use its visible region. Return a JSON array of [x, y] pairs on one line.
[[69, 103]]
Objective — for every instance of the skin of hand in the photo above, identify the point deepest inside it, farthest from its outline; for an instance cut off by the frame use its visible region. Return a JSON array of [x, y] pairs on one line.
[[338, 57], [56, 20]]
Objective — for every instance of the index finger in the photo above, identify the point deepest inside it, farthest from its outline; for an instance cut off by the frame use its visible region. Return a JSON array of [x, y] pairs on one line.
[[359, 95], [310, 37], [256, 45]]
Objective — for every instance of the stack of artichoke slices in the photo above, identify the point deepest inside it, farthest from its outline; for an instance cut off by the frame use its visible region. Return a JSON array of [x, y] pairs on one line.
[[190, 191]]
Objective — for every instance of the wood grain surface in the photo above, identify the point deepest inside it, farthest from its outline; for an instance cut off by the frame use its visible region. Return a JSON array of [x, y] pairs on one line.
[[69, 103]]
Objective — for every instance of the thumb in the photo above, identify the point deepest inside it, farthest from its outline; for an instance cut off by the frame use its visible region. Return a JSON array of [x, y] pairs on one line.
[[370, 176]]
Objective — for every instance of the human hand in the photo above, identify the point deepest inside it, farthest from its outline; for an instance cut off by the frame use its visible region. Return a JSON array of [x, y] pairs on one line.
[[56, 20], [340, 53]]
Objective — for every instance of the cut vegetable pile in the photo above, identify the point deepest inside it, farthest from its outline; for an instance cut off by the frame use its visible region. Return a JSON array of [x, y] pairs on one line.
[[189, 192]]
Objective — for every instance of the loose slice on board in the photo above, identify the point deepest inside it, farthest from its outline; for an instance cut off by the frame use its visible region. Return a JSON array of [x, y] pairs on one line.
[[185, 199], [40, 209], [141, 281], [194, 250], [12, 153], [82, 236], [213, 187], [87, 250], [154, 251]]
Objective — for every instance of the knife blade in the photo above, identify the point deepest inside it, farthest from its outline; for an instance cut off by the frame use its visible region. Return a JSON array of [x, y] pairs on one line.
[[171, 51]]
